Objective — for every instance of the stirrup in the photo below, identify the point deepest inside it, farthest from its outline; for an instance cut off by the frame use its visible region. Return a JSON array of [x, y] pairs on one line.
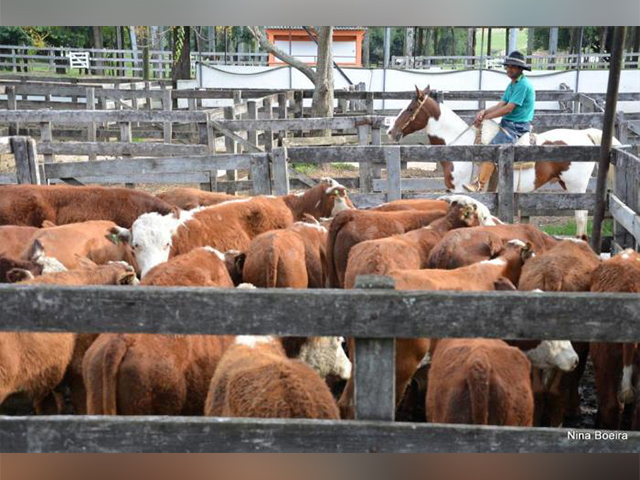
[[473, 187]]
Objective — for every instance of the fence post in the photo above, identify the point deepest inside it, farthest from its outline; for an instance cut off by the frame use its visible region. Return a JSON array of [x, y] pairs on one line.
[[231, 147], [268, 115], [282, 113], [125, 136], [46, 136], [374, 366], [394, 177], [622, 128], [260, 175], [167, 106], [25, 153], [91, 106], [365, 170], [369, 102], [376, 139], [505, 183], [12, 104], [193, 107], [621, 190], [252, 114], [280, 171]]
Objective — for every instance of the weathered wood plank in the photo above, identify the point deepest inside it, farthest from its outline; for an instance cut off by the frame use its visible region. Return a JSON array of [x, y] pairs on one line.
[[251, 147], [505, 184], [278, 124], [121, 148], [260, 175], [611, 317], [5, 145], [73, 117], [625, 216], [374, 367], [392, 156], [26, 159], [152, 178], [149, 165], [211, 434], [280, 171], [365, 170]]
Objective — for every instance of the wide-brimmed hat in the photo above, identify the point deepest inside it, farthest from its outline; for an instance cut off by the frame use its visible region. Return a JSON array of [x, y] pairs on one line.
[[516, 59]]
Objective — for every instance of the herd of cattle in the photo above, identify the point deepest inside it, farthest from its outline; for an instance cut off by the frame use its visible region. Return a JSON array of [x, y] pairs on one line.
[[112, 236]]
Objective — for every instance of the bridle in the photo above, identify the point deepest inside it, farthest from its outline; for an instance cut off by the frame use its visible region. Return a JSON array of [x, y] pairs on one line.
[[415, 114]]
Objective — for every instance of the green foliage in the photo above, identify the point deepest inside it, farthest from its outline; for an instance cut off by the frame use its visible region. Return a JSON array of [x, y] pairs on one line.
[[305, 168], [569, 228], [79, 37], [344, 167], [14, 36]]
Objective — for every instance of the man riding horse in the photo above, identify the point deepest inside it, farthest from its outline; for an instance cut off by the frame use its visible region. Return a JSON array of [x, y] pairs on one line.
[[516, 109]]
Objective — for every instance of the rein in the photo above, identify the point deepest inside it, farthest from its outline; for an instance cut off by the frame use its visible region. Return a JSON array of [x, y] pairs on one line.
[[415, 114]]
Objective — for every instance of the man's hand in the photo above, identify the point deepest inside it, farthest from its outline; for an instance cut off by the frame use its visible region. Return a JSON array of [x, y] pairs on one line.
[[479, 118]]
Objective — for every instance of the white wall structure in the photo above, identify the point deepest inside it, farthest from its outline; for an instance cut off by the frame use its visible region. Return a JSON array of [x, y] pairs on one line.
[[244, 77], [307, 51]]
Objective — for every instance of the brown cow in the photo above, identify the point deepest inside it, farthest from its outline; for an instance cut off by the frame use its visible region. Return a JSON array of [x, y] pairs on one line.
[[355, 226], [61, 204], [459, 248], [138, 374], [565, 267], [91, 239], [226, 226], [408, 251], [289, 258], [325, 200], [14, 238], [616, 365], [481, 382], [35, 363], [488, 275], [412, 204], [190, 198], [256, 379]]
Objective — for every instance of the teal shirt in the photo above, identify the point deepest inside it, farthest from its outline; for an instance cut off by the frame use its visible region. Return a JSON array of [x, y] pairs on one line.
[[524, 96]]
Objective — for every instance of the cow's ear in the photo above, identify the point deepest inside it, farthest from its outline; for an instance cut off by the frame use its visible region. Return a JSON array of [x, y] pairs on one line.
[[503, 283], [527, 252], [584, 237], [175, 211], [48, 224], [36, 251], [16, 275], [128, 278], [238, 262], [119, 234], [495, 247]]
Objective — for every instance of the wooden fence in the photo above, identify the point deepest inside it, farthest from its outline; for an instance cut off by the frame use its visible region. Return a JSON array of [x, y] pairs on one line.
[[375, 317], [126, 62]]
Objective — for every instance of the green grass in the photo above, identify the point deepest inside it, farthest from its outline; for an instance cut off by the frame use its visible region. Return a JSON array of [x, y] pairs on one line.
[[305, 168], [569, 228], [344, 167], [498, 40]]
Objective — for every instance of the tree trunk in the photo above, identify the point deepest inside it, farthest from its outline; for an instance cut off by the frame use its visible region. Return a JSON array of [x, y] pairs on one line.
[[366, 46], [134, 47], [145, 41], [427, 40], [603, 39], [98, 42], [453, 41], [506, 39], [120, 46], [435, 41], [488, 42], [181, 55], [471, 43], [636, 45], [530, 37], [322, 105], [409, 38]]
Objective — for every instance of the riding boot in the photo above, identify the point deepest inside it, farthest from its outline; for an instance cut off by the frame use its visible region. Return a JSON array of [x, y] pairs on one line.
[[483, 178]]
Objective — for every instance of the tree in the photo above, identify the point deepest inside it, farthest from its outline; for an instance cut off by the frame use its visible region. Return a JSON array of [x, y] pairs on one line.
[[181, 69], [321, 77]]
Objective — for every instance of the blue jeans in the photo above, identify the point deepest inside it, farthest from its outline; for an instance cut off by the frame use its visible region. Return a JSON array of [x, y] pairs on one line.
[[511, 132]]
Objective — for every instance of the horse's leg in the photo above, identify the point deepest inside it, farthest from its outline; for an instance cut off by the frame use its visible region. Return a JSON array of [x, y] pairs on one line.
[[576, 180]]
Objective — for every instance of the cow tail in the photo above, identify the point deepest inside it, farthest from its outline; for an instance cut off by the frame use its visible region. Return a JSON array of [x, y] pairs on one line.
[[273, 258], [113, 356], [338, 222], [478, 383]]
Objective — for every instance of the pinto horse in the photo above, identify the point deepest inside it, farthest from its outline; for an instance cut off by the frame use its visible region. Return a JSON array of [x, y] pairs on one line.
[[444, 127]]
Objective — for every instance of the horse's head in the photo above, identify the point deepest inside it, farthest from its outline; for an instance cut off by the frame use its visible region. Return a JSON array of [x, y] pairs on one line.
[[415, 116]]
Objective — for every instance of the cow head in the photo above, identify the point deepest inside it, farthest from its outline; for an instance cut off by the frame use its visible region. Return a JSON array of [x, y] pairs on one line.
[[554, 354], [333, 199], [483, 212], [151, 237], [36, 254], [326, 356], [15, 270]]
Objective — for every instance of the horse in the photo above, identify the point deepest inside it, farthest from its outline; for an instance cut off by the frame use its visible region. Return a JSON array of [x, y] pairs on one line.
[[444, 127]]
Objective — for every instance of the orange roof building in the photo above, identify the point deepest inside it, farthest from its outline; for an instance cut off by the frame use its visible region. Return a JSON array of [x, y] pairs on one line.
[[347, 45]]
